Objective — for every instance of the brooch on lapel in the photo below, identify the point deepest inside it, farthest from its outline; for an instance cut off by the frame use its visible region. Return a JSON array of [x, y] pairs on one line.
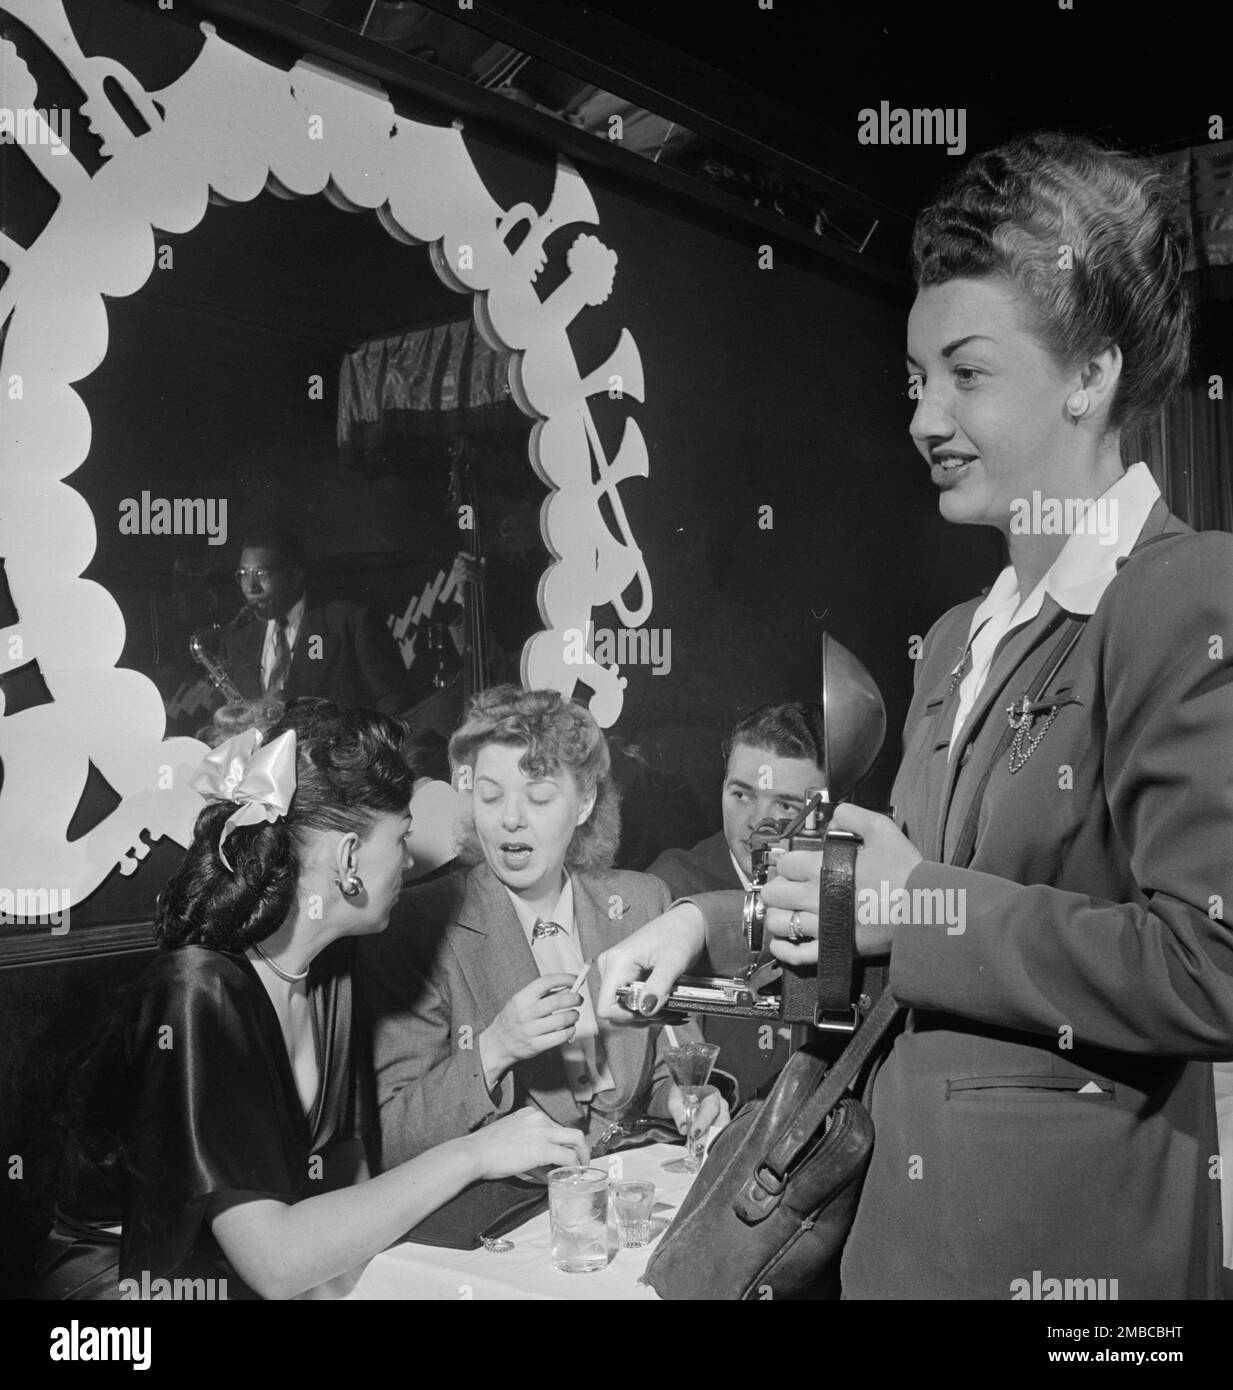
[[1022, 715]]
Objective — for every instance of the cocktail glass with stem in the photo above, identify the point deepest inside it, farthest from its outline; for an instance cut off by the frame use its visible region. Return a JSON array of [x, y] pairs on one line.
[[690, 1064]]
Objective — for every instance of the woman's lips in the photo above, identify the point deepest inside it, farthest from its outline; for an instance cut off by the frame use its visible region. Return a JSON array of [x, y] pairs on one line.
[[947, 470], [515, 854]]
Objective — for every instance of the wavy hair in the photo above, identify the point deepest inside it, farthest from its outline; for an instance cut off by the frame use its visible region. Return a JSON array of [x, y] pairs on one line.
[[349, 770], [558, 735], [1013, 210], [789, 730]]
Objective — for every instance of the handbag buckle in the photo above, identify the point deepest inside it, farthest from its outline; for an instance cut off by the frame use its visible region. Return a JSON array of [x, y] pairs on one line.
[[841, 1020], [772, 1183]]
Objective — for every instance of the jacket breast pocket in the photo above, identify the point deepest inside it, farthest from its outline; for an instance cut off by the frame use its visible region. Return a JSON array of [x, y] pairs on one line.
[[1028, 1089]]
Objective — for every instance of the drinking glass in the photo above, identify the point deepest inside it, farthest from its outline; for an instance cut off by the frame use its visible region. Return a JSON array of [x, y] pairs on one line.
[[578, 1214], [632, 1202], [690, 1064]]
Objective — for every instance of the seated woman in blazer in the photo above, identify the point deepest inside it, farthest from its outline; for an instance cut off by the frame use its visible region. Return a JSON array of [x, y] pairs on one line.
[[1046, 1119], [469, 997]]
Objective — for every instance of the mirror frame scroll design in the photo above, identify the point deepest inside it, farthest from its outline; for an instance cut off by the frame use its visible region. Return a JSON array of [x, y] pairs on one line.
[[230, 128]]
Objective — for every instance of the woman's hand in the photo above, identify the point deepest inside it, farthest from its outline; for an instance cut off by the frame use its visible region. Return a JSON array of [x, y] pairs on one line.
[[535, 1020], [712, 1110], [884, 861], [526, 1139], [665, 947]]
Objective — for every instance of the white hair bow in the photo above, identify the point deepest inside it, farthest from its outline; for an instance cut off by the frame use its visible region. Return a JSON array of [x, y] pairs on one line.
[[260, 780]]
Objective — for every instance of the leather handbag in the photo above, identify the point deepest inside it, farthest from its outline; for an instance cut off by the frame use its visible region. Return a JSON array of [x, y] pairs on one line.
[[770, 1212], [768, 1215]]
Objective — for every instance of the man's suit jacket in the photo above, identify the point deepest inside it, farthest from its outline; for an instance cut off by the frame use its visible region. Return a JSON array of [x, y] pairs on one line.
[[742, 1043], [453, 956], [342, 653], [1048, 1111]]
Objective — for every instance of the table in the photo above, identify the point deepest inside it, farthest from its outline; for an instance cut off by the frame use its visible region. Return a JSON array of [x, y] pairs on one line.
[[427, 1272]]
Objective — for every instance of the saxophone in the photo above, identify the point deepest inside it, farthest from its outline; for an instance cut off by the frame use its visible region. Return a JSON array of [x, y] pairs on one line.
[[220, 677]]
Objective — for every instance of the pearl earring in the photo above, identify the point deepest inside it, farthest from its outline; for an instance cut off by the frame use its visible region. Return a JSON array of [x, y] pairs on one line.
[[1077, 404], [353, 886]]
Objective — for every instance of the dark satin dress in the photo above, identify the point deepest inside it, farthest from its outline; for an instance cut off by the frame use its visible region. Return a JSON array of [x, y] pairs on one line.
[[191, 1095]]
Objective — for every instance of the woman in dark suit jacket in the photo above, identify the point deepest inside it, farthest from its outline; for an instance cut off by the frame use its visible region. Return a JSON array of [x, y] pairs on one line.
[[469, 995], [1045, 1119]]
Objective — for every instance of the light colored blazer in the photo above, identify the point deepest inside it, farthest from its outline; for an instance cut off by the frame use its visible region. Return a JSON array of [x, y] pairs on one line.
[[453, 956]]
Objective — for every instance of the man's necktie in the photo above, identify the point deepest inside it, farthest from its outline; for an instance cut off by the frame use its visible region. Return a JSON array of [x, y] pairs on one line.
[[281, 666]]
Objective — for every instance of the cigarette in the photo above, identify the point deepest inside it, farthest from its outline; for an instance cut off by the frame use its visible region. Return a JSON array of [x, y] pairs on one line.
[[672, 1042], [582, 974]]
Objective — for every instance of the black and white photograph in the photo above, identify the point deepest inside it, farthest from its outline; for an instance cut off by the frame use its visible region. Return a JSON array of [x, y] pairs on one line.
[[616, 676]]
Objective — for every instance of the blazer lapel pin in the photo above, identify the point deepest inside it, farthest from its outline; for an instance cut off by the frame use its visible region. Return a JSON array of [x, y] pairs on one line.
[[1021, 716]]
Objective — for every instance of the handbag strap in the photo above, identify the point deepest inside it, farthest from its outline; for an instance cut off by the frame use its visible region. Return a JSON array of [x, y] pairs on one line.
[[765, 1186]]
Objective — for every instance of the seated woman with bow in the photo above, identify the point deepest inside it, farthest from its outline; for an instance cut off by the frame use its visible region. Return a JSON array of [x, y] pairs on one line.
[[214, 1129]]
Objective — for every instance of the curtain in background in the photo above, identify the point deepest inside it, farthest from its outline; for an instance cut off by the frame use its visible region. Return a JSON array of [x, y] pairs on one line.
[[438, 379], [1189, 444], [1206, 174], [1189, 448]]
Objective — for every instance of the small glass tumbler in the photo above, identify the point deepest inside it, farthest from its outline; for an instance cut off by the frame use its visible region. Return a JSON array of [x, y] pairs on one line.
[[578, 1213], [632, 1202]]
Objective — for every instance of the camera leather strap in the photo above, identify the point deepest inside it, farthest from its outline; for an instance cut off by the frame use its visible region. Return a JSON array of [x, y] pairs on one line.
[[836, 931]]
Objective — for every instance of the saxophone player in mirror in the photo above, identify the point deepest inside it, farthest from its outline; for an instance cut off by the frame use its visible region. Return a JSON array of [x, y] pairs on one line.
[[236, 712]]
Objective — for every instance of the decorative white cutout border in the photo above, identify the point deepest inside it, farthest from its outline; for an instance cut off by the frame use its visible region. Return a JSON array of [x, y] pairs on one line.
[[226, 131]]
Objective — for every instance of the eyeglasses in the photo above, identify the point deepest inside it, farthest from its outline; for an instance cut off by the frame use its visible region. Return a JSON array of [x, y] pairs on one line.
[[261, 573]]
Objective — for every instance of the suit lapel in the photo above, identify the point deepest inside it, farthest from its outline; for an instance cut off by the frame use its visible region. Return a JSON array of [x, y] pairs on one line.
[[716, 858], [1013, 670], [497, 962], [306, 672], [246, 663]]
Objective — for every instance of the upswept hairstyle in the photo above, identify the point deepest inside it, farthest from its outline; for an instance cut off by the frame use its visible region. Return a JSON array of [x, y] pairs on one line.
[[349, 770], [1014, 210], [788, 730], [558, 734], [238, 715]]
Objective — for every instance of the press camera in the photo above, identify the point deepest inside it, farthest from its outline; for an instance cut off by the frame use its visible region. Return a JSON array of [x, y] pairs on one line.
[[852, 719]]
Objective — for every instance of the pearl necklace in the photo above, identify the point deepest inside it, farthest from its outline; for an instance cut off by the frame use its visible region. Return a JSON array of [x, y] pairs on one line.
[[278, 970]]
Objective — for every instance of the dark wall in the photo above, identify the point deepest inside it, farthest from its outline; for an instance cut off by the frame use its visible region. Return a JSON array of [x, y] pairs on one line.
[[775, 387], [781, 387], [778, 387]]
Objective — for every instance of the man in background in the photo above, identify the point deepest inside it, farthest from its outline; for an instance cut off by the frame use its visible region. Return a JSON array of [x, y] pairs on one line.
[[298, 645], [773, 757]]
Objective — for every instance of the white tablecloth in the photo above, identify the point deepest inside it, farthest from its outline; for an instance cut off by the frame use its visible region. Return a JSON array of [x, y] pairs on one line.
[[425, 1271]]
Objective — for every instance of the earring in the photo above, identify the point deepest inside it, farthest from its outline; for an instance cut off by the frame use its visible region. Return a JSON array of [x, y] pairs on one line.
[[353, 887], [1077, 404]]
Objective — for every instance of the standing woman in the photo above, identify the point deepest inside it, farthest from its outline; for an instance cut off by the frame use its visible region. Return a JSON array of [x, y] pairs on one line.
[[1047, 1110], [216, 1132]]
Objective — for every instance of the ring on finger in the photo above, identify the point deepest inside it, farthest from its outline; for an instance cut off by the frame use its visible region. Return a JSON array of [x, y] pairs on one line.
[[795, 935]]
